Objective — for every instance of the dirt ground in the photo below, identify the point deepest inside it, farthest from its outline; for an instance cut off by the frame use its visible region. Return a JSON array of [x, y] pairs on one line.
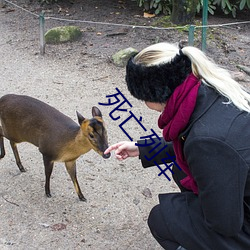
[[77, 76]]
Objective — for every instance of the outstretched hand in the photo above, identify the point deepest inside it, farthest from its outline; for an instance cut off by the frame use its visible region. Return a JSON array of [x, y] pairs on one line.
[[123, 150]]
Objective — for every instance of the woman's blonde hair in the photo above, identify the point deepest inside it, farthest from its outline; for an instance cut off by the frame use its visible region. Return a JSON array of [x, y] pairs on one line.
[[202, 67]]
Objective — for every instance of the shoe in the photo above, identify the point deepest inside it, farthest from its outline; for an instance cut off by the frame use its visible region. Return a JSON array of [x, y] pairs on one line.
[[181, 248]]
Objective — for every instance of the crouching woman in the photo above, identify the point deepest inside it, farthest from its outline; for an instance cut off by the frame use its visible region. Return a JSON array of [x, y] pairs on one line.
[[205, 119]]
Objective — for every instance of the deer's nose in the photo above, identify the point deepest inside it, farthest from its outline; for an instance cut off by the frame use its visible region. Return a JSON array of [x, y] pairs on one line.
[[106, 156]]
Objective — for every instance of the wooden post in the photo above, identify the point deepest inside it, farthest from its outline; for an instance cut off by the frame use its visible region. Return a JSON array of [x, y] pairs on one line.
[[191, 35], [42, 31], [204, 23]]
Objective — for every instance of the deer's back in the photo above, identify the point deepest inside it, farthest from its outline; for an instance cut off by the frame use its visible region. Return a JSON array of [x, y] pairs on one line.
[[24, 118]]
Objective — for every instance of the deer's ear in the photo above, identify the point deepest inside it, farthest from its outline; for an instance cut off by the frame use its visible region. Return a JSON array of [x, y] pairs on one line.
[[96, 111], [80, 118]]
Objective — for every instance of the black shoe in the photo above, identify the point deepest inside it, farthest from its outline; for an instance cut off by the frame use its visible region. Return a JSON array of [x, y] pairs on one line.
[[181, 248]]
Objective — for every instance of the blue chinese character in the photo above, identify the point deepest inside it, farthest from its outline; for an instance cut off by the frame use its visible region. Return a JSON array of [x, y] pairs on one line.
[[168, 167], [170, 159], [151, 137], [165, 161], [138, 120], [156, 152], [115, 102]]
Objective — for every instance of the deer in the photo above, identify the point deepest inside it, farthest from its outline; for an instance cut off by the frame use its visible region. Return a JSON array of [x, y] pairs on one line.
[[58, 138]]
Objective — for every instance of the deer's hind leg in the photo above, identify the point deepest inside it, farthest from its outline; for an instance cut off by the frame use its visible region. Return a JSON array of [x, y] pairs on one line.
[[1, 144], [71, 168], [18, 161], [48, 164]]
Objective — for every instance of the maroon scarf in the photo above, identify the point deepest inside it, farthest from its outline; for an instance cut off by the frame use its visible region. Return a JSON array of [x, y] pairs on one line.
[[174, 119]]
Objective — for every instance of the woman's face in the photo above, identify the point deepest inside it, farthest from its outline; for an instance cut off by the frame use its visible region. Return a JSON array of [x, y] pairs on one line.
[[156, 106]]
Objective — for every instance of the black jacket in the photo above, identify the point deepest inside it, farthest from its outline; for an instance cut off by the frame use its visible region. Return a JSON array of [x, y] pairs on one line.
[[216, 145]]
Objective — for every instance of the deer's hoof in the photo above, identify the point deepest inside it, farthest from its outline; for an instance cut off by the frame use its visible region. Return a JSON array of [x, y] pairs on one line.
[[48, 195], [82, 198]]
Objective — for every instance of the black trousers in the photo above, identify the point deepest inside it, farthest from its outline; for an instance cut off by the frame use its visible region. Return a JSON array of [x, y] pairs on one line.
[[156, 222], [179, 221]]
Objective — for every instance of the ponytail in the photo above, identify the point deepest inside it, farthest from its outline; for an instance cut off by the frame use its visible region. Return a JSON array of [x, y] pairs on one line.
[[218, 78]]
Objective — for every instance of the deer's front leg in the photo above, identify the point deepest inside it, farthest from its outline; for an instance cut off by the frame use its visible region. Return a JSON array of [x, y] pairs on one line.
[[71, 168]]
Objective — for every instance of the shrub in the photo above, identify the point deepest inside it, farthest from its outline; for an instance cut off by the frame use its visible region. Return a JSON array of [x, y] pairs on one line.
[[156, 6], [47, 1], [165, 6]]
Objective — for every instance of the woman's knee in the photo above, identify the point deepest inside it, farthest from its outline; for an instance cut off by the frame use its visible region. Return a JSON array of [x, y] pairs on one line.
[[153, 218], [156, 223], [159, 229]]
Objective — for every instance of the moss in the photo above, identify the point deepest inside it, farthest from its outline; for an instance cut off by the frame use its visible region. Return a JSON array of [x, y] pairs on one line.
[[163, 22], [63, 34]]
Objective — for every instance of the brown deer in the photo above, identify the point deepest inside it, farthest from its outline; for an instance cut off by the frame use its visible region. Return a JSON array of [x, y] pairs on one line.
[[58, 137]]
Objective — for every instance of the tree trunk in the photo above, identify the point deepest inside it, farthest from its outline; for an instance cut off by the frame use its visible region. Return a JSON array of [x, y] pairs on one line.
[[183, 11]]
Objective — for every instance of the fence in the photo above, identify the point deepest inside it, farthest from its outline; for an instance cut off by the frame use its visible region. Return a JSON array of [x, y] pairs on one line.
[[191, 28]]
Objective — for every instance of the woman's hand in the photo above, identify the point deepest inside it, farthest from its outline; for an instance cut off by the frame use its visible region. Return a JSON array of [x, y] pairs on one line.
[[123, 150]]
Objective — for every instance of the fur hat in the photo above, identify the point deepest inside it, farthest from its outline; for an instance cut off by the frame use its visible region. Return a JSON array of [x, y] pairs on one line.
[[156, 83]]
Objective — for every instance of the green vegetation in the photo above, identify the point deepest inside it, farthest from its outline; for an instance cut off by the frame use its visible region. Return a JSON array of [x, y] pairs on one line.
[[47, 1], [157, 6], [165, 6]]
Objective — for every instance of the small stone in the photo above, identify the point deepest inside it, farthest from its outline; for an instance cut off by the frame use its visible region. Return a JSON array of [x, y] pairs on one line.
[[44, 225], [136, 201], [244, 68], [147, 193], [121, 58], [239, 76], [2, 4]]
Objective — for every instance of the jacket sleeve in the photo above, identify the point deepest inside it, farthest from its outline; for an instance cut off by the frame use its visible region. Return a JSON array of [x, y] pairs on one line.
[[220, 173], [146, 153]]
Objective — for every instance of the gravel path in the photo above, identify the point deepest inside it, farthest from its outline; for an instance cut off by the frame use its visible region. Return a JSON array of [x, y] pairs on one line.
[[119, 195]]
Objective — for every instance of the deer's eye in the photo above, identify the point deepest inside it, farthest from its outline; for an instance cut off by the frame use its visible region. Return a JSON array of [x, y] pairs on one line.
[[91, 136]]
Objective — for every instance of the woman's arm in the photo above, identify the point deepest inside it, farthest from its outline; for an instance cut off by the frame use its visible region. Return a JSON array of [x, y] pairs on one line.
[[152, 150], [123, 150]]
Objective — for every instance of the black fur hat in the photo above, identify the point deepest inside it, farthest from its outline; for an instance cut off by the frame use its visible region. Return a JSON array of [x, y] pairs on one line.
[[156, 83]]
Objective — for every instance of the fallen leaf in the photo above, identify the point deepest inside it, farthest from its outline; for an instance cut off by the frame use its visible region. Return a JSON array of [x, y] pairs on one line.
[[147, 15], [58, 227], [147, 193]]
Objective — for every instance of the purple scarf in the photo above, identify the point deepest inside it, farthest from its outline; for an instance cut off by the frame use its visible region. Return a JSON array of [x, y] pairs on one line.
[[174, 119]]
